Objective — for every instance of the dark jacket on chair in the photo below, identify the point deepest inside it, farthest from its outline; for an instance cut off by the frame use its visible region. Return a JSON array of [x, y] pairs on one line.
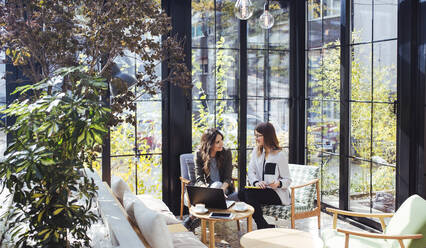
[[225, 171]]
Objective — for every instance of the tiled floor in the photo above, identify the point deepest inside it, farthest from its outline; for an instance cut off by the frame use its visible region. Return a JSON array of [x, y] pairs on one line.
[[227, 234]]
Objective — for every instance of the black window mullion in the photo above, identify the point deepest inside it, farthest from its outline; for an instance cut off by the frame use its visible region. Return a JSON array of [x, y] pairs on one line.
[[345, 76], [297, 83], [242, 113]]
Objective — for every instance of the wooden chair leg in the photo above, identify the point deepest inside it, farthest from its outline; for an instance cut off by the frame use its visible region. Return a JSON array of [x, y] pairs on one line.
[[292, 223], [319, 220], [238, 225]]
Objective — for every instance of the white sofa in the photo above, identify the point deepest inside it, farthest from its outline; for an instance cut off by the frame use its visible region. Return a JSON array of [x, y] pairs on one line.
[[139, 221]]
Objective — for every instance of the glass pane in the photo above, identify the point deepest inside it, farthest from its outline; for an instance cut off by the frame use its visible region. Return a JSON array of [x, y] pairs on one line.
[[203, 73], [227, 122], [331, 127], [149, 127], [123, 139], [362, 15], [361, 130], [384, 134], [359, 190], [323, 126], [383, 188], [279, 117], [313, 125], [226, 73], [279, 33], [149, 175], [227, 25], [203, 24], [314, 72], [124, 167], [203, 117], [361, 73], [255, 115], [385, 71], [330, 180], [256, 36], [385, 11], [314, 24], [279, 74], [255, 73], [331, 20], [329, 79], [314, 157]]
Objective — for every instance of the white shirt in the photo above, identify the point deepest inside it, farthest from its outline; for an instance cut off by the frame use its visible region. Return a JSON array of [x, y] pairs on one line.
[[282, 173]]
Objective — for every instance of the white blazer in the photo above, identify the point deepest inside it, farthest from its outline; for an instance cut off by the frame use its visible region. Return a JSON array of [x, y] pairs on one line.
[[282, 173]]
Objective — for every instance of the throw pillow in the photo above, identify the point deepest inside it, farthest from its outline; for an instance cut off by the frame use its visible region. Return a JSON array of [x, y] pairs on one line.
[[153, 226], [160, 207], [119, 187]]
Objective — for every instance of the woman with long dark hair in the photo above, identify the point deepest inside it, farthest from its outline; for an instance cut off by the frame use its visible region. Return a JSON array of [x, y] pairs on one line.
[[213, 163], [213, 168], [268, 171]]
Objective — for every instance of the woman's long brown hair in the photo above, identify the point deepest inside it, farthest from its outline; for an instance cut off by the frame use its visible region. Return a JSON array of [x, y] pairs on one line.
[[270, 139], [207, 141]]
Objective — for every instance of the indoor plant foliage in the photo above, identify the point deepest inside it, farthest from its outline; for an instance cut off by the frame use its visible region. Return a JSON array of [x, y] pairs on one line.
[[56, 135], [59, 126]]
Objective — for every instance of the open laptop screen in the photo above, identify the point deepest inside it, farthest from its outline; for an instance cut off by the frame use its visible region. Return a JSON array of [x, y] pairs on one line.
[[211, 197]]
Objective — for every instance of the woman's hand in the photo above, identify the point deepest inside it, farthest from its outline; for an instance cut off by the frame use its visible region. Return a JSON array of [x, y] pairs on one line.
[[274, 185], [261, 184]]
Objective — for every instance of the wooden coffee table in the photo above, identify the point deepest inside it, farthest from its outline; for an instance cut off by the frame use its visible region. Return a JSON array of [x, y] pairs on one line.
[[205, 218], [280, 237]]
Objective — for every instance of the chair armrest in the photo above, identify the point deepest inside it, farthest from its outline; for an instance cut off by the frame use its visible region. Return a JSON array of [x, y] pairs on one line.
[[381, 236], [304, 185], [184, 180], [378, 236], [358, 214]]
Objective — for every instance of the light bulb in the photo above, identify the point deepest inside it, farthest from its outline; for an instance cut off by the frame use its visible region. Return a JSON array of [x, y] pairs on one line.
[[243, 9], [266, 20]]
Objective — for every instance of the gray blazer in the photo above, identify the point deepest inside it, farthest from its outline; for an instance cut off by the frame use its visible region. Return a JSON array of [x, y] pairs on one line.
[[225, 171]]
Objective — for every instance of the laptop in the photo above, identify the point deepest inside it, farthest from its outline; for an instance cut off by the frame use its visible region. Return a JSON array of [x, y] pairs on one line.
[[211, 197]]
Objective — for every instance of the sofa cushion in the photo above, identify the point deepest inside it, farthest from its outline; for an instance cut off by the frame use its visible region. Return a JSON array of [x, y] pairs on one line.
[[153, 226], [129, 201], [160, 207], [410, 218], [186, 240], [119, 187], [333, 238]]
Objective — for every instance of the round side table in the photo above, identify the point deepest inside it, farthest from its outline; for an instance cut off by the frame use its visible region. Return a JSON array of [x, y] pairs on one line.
[[205, 218]]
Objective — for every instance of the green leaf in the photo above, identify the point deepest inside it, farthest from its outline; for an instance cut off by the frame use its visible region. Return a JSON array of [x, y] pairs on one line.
[[40, 215], [43, 232], [57, 211]]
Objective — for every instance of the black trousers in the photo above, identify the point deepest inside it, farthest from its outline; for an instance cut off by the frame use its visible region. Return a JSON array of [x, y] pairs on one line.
[[256, 198]]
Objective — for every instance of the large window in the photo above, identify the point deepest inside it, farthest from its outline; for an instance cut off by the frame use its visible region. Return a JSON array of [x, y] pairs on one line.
[[372, 98], [323, 94], [136, 149], [215, 73], [268, 73], [215, 70]]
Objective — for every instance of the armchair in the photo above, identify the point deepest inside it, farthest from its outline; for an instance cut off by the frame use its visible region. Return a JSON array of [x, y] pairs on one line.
[[406, 229], [187, 172], [304, 191]]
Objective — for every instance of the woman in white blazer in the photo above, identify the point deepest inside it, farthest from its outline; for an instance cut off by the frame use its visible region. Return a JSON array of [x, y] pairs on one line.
[[268, 172]]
